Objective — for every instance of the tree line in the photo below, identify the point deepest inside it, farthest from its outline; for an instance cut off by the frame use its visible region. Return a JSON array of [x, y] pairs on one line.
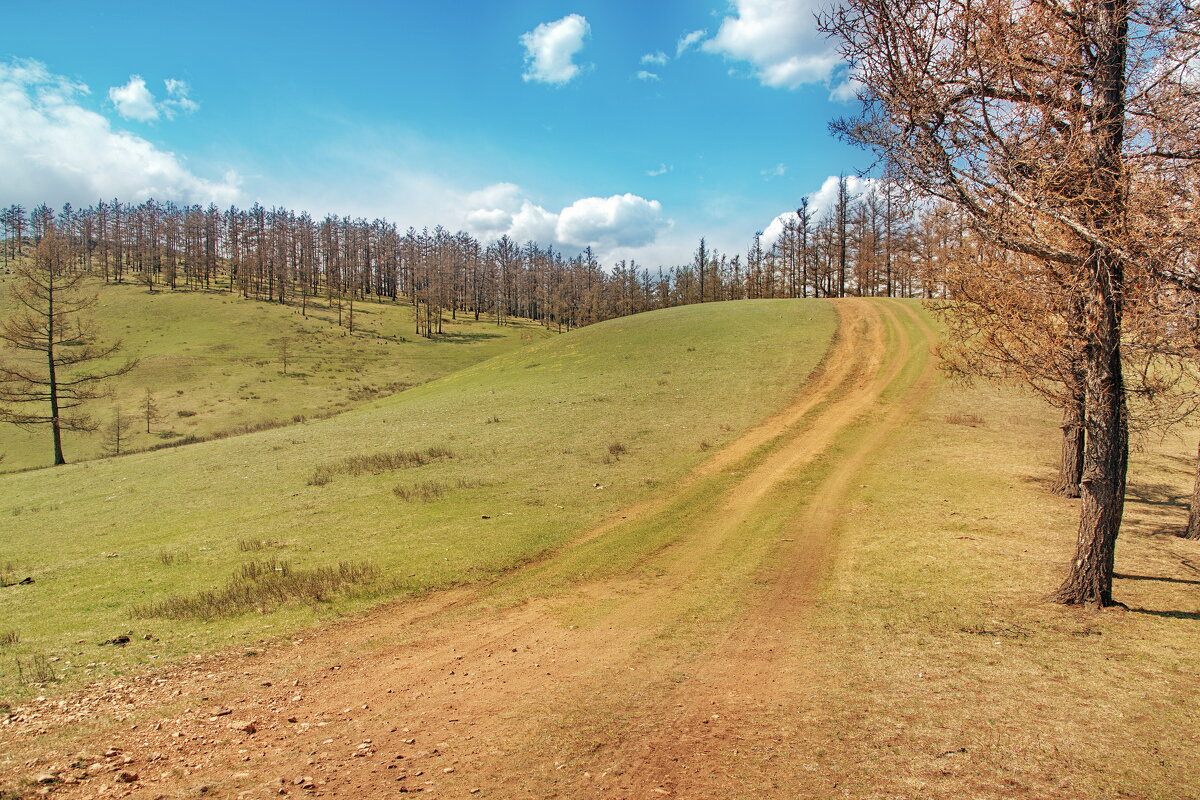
[[877, 244]]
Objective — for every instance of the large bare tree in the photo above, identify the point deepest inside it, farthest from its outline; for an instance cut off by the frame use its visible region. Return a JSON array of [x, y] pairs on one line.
[[1062, 129]]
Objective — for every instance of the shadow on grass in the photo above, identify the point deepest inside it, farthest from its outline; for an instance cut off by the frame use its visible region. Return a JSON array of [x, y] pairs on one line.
[[1156, 495], [1124, 577], [464, 338], [1192, 615]]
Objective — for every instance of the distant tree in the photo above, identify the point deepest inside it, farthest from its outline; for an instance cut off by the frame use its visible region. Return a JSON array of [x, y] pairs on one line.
[[283, 347], [150, 409], [116, 432], [50, 326]]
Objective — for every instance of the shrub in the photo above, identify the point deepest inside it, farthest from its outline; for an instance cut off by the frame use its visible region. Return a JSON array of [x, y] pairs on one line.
[[262, 586]]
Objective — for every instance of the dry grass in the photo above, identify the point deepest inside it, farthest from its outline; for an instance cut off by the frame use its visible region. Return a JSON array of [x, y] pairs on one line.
[[263, 586], [376, 463], [34, 670], [9, 638], [425, 492]]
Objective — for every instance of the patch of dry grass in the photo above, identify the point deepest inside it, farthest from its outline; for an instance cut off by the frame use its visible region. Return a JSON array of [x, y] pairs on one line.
[[949, 673], [262, 586]]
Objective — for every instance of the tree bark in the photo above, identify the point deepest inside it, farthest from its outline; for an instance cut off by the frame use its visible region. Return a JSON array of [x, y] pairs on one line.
[[1192, 531], [1070, 469], [1106, 453]]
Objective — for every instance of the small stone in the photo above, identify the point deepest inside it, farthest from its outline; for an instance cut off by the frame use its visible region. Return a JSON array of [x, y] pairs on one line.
[[127, 777], [46, 777], [243, 726], [220, 711]]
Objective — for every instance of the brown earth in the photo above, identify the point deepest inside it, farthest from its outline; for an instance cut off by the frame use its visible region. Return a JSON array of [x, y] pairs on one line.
[[679, 670]]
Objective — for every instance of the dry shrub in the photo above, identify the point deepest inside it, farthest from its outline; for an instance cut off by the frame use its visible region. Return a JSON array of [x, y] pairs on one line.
[[375, 463], [616, 449], [425, 492], [36, 670], [970, 420], [262, 586], [255, 545], [9, 638], [704, 446], [170, 557]]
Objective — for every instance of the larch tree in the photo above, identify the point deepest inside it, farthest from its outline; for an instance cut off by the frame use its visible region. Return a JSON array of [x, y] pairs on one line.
[[62, 365], [1061, 130]]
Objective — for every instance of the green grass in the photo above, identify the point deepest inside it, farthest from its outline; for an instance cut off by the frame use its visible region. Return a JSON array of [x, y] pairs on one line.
[[212, 362], [532, 436]]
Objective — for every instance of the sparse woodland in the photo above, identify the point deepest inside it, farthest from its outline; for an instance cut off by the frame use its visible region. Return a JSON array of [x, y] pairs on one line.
[[874, 245]]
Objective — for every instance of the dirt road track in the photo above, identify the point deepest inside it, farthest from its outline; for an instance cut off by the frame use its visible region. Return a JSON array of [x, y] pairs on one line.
[[684, 676]]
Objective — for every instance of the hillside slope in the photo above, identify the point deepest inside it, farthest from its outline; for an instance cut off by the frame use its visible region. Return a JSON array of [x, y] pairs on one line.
[[542, 443], [213, 363]]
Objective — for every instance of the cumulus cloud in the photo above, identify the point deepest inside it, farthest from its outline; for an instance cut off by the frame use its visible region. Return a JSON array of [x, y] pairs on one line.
[[821, 202], [623, 220], [658, 58], [54, 149], [134, 100], [687, 40], [779, 38], [602, 223], [551, 47], [644, 75]]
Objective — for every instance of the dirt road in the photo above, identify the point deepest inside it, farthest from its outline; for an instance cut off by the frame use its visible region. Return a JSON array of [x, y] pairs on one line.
[[678, 670]]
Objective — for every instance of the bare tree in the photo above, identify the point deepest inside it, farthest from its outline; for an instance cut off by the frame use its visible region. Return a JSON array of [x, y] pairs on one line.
[[1044, 123], [59, 343]]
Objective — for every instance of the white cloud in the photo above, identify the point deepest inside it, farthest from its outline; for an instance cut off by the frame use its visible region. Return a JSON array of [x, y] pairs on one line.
[[54, 150], [550, 48], [603, 223], [821, 202], [687, 40], [780, 39], [178, 98], [658, 58], [661, 169], [643, 75], [623, 220], [134, 100], [776, 171]]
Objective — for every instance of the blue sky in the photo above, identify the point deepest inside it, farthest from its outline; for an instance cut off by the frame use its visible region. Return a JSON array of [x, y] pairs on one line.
[[599, 123]]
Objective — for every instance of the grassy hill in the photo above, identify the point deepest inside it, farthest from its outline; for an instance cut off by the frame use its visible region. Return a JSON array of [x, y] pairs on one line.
[[520, 453], [212, 362]]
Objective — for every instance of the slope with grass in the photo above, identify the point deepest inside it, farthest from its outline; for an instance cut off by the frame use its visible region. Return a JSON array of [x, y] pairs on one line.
[[842, 600], [453, 481], [213, 363]]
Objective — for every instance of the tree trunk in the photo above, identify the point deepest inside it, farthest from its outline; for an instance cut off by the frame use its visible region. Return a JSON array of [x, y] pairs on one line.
[[1193, 524], [1106, 453], [1070, 469]]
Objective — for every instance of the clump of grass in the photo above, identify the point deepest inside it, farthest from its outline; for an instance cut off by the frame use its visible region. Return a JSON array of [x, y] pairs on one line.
[[375, 463], [9, 638], [170, 557], [425, 492], [970, 420], [262, 586], [492, 420], [36, 670], [256, 545], [616, 450], [185, 413], [704, 445]]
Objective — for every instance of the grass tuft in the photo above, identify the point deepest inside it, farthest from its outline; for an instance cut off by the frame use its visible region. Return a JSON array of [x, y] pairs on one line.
[[263, 586], [375, 463]]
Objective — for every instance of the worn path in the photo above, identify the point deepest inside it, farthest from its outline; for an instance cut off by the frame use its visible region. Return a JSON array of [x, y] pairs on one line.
[[677, 669]]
